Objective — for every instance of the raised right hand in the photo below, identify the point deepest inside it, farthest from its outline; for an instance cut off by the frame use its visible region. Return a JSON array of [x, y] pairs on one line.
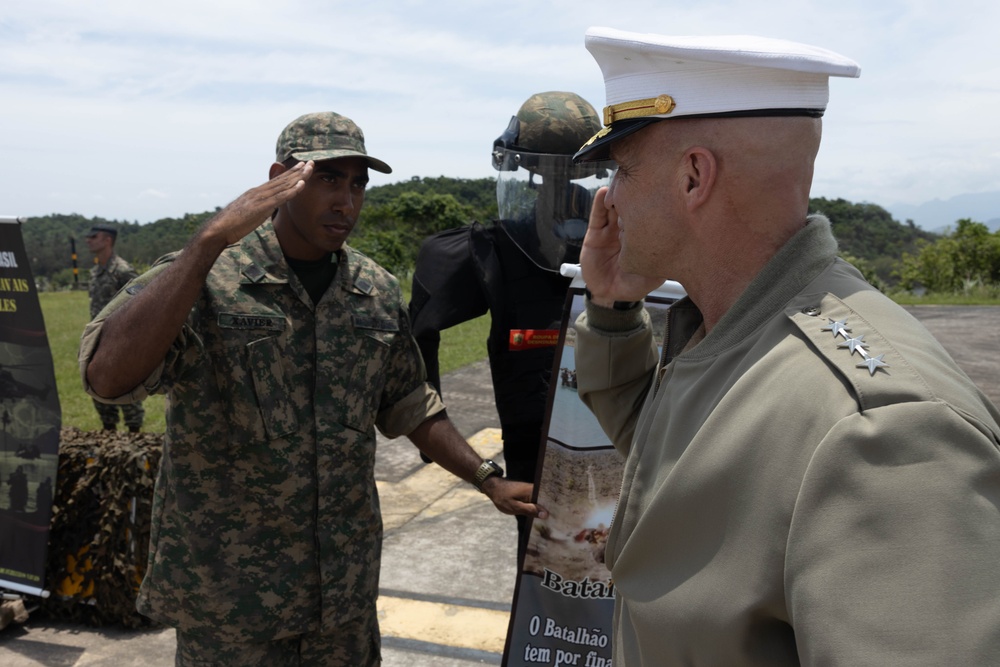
[[599, 259], [249, 211], [123, 359]]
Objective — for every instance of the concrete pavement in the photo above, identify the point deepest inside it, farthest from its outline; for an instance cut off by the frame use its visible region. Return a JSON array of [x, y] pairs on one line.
[[971, 335], [448, 567]]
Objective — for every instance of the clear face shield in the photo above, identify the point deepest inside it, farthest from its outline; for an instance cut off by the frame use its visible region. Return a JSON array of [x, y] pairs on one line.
[[544, 202]]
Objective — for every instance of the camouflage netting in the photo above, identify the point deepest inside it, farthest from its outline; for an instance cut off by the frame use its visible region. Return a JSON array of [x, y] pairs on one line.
[[99, 538]]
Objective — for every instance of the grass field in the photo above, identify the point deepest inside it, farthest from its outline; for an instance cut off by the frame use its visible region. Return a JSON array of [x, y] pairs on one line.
[[67, 313], [981, 297]]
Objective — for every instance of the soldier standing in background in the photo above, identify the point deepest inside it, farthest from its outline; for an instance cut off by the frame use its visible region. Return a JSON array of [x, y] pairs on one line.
[[511, 267], [109, 274]]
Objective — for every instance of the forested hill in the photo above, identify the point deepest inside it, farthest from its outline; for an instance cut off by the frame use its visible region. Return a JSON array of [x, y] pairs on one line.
[[479, 193], [399, 215], [49, 241], [868, 230]]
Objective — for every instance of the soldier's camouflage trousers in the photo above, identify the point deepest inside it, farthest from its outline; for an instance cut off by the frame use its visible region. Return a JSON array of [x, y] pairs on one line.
[[132, 412], [356, 644]]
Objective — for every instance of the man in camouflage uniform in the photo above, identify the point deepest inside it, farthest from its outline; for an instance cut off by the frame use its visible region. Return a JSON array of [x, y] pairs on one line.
[[108, 275], [510, 267], [280, 349]]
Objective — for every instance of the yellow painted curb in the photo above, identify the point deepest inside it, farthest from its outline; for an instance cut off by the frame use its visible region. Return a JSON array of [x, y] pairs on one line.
[[447, 624], [403, 500]]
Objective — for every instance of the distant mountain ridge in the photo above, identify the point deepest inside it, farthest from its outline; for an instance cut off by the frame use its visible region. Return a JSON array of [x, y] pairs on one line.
[[937, 215]]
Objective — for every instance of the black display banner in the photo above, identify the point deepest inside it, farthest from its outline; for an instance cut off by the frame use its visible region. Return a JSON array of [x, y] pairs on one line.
[[564, 596], [30, 419]]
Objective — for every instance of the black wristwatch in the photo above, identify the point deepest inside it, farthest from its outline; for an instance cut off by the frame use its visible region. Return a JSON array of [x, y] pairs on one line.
[[617, 305], [486, 470]]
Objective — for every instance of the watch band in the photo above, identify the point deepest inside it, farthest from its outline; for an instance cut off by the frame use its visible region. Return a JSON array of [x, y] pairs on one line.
[[617, 305], [486, 470]]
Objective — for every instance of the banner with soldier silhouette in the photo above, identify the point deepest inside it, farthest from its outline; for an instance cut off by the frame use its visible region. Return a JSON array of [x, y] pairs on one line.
[[30, 419], [564, 597]]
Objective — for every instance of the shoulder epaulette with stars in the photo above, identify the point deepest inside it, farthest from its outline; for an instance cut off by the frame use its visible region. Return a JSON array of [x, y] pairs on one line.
[[856, 349], [855, 344]]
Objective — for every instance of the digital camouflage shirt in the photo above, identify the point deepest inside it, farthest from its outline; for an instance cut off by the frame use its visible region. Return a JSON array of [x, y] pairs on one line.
[[266, 519], [105, 281]]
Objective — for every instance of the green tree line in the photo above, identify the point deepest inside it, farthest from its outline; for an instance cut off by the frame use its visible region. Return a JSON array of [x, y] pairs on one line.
[[966, 261], [395, 219], [398, 216]]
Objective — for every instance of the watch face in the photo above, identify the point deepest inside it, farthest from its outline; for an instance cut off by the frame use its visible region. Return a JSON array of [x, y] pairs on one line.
[[486, 470]]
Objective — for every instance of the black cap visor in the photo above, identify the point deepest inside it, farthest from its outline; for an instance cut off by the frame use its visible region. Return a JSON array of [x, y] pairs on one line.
[[599, 146]]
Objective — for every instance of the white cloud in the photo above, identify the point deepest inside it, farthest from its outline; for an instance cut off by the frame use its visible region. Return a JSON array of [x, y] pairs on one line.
[[104, 100], [154, 194]]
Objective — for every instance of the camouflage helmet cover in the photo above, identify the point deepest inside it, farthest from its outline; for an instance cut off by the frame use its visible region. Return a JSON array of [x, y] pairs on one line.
[[324, 136], [555, 123], [543, 197]]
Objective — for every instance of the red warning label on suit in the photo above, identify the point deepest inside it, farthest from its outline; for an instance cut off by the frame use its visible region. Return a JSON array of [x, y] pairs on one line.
[[529, 339]]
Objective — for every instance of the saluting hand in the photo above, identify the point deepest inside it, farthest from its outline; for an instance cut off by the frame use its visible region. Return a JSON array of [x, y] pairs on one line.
[[122, 360], [252, 208], [599, 259]]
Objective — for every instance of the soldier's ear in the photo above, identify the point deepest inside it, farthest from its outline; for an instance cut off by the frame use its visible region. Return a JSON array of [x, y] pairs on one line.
[[276, 170]]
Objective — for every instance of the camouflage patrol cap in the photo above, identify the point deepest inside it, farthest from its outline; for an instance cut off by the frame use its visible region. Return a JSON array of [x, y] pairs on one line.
[[325, 136], [556, 122]]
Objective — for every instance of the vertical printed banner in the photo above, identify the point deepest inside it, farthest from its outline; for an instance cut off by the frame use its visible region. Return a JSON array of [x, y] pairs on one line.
[[564, 597], [30, 419]]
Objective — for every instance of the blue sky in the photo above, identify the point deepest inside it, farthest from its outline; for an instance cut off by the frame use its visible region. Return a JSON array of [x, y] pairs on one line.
[[138, 111]]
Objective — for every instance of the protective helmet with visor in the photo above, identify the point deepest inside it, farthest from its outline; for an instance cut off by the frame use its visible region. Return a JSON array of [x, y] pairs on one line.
[[543, 198]]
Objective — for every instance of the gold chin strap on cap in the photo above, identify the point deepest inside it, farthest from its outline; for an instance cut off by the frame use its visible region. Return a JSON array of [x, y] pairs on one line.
[[652, 106]]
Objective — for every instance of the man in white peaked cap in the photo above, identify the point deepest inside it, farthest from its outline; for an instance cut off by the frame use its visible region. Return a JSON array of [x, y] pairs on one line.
[[810, 479]]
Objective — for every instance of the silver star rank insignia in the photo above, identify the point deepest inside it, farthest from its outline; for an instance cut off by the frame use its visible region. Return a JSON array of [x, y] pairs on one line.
[[873, 363], [856, 344], [838, 327]]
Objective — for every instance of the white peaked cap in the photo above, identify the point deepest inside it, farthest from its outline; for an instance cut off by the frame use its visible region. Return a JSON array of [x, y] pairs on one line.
[[648, 77]]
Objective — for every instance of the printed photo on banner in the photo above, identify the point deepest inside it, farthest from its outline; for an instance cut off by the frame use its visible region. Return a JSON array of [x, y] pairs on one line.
[[30, 418], [564, 598]]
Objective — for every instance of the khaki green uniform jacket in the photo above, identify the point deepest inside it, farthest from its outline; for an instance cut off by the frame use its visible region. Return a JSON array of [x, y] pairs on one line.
[[782, 505], [105, 281], [266, 519]]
